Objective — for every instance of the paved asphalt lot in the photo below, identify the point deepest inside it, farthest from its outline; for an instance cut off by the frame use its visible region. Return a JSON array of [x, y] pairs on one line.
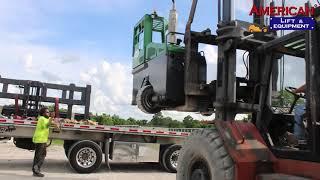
[[15, 164]]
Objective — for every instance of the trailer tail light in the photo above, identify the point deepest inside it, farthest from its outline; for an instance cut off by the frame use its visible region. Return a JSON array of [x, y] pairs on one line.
[[85, 127], [18, 122], [115, 129], [68, 125]]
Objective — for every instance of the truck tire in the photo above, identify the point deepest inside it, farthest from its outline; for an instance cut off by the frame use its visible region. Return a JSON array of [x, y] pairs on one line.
[[144, 101], [85, 156], [204, 157], [170, 158], [67, 145], [162, 149]]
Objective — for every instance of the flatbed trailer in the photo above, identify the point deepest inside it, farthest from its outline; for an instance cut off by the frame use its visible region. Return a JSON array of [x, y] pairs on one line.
[[86, 145]]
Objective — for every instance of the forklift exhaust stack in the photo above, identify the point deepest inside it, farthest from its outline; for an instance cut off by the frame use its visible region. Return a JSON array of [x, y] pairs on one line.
[[172, 26]]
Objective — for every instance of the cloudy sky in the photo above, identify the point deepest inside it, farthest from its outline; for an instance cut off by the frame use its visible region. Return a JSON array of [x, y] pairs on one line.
[[90, 42]]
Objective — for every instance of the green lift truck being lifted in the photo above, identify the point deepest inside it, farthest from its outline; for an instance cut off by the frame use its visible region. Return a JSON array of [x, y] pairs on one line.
[[159, 68]]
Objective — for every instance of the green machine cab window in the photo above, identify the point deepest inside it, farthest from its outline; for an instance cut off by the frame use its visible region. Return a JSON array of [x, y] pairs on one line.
[[149, 38]]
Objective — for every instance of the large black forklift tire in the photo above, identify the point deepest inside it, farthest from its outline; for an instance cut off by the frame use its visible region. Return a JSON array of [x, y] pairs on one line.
[[85, 156], [144, 100], [170, 158], [204, 157]]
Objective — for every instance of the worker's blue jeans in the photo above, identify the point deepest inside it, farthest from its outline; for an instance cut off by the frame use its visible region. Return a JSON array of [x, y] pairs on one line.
[[299, 129]]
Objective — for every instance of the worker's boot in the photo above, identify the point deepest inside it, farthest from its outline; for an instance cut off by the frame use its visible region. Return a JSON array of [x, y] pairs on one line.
[[38, 174]]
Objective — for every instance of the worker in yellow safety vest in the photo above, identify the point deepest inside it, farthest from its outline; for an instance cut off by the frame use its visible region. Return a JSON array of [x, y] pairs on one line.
[[40, 139]]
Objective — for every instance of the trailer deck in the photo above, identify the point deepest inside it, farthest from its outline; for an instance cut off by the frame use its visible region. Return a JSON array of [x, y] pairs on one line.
[[25, 128]]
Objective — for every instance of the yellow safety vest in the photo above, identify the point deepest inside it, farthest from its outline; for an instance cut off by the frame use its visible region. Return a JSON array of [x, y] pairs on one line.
[[41, 133]]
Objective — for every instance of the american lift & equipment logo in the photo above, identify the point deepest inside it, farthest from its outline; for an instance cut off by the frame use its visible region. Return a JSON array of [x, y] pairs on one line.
[[301, 18]]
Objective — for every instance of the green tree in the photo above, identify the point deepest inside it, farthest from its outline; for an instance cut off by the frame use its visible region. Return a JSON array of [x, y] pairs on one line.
[[175, 124], [142, 122], [103, 119], [131, 121], [118, 121], [51, 109], [156, 119], [188, 122], [285, 99]]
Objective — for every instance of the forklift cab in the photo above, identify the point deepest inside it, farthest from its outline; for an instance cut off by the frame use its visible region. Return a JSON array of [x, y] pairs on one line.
[[305, 45]]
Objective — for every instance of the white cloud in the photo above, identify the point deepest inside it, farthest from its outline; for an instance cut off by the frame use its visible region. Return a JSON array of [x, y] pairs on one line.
[[243, 5], [181, 115], [69, 59], [28, 62], [111, 86], [112, 90], [211, 54]]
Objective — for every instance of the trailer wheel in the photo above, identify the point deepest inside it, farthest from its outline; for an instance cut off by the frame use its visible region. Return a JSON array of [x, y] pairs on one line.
[[204, 157], [170, 158], [144, 100], [162, 148], [67, 145], [85, 156]]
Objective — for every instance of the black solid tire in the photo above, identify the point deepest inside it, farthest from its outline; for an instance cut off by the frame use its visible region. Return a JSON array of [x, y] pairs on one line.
[[77, 147], [144, 100], [204, 151], [166, 158]]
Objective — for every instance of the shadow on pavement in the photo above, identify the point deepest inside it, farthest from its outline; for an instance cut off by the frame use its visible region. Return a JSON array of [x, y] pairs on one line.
[[9, 176], [62, 166]]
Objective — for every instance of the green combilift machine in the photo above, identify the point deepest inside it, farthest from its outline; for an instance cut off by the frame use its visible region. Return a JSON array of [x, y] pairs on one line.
[[159, 66], [149, 39]]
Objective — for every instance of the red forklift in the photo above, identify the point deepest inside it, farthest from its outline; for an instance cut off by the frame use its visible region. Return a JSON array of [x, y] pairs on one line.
[[259, 149]]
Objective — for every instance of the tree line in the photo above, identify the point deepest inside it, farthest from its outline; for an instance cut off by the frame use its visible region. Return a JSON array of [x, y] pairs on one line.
[[158, 120]]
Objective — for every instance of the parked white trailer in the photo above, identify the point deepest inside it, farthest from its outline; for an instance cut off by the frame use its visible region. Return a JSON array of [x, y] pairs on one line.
[[86, 145]]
